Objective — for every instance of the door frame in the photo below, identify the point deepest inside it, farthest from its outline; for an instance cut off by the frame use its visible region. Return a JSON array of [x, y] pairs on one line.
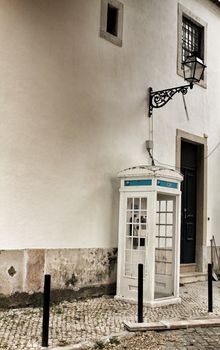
[[201, 200]]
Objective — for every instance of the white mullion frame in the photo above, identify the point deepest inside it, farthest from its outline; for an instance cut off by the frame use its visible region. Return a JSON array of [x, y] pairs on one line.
[[138, 211]]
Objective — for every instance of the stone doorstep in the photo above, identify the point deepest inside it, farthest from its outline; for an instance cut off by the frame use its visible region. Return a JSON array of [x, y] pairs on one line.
[[171, 324], [192, 277]]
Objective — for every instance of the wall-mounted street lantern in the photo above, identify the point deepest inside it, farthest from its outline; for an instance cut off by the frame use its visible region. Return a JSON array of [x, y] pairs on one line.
[[193, 69]]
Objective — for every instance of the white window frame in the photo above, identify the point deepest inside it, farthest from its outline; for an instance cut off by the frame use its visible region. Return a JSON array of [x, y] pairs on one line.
[[184, 12], [117, 40]]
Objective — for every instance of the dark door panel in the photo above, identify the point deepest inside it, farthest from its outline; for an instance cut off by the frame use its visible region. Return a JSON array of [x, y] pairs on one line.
[[188, 212], [190, 231]]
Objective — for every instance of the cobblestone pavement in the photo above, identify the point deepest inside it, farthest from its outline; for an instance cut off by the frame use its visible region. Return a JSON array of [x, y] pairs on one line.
[[198, 338], [185, 339], [90, 319]]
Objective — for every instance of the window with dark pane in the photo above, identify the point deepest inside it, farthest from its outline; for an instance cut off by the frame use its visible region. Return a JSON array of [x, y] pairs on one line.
[[192, 39], [112, 20], [136, 234]]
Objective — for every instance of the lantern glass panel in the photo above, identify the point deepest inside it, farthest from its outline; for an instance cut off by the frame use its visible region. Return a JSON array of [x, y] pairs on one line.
[[199, 71], [193, 69], [189, 69]]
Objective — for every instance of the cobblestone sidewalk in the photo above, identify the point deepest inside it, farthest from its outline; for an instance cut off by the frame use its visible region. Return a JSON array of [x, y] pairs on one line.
[[182, 339], [74, 322]]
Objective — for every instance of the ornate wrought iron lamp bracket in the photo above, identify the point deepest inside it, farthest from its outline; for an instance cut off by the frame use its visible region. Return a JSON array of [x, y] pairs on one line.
[[158, 99]]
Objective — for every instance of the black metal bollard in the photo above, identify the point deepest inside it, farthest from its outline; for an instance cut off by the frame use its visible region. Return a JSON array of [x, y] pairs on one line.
[[140, 293], [210, 308], [46, 310]]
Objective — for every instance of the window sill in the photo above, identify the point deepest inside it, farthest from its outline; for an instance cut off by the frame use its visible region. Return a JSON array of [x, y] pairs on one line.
[[112, 38]]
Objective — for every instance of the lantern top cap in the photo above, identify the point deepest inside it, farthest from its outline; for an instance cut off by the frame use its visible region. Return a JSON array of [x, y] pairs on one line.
[[194, 58], [152, 171]]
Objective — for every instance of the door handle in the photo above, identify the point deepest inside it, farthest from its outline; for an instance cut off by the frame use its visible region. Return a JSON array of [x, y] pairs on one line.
[[185, 213]]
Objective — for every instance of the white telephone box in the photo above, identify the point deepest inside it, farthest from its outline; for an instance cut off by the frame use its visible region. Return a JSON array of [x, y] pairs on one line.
[[149, 233]]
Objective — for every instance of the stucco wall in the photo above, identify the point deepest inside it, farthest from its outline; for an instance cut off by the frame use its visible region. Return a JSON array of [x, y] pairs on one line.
[[73, 110]]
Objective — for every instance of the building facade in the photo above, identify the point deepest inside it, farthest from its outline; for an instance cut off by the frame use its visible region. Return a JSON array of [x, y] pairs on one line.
[[75, 77]]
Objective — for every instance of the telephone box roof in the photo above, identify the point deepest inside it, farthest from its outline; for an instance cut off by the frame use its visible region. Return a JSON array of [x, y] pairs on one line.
[[151, 171]]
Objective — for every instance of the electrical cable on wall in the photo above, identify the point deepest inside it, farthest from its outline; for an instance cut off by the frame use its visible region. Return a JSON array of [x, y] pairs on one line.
[[151, 140], [151, 134], [178, 168], [151, 156], [151, 137], [185, 107], [214, 149]]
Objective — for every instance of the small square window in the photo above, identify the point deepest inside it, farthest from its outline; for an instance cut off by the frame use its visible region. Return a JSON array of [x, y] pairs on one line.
[[192, 34], [112, 21]]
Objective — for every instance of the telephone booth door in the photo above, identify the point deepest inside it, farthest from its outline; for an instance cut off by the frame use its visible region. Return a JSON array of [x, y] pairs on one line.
[[136, 230], [165, 246]]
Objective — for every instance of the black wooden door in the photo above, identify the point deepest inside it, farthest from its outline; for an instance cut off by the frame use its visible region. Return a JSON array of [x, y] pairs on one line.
[[188, 211]]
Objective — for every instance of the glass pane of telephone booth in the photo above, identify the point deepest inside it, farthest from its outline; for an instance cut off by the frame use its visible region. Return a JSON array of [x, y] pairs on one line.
[[164, 247], [136, 234]]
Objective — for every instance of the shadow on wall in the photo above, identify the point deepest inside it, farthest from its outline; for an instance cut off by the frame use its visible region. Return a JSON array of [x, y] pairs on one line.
[[115, 183]]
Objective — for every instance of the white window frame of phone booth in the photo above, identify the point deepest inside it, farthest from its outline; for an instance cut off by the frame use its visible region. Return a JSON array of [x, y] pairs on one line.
[[149, 233]]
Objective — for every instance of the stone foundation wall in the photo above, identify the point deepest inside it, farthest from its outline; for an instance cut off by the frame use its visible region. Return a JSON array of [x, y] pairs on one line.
[[74, 272]]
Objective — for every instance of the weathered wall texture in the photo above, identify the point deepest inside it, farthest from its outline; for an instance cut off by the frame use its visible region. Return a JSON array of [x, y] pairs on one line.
[[70, 269], [84, 267], [12, 271], [34, 261]]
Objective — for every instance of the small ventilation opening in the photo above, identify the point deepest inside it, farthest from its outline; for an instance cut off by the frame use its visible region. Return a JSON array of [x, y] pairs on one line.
[[112, 20]]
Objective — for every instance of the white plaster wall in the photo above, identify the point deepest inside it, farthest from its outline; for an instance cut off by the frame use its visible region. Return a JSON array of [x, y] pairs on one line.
[[73, 113]]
